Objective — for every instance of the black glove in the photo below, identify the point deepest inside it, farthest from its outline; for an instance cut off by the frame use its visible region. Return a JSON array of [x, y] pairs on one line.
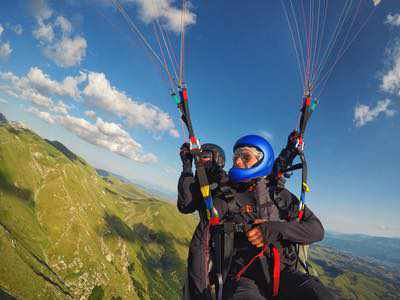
[[186, 158], [280, 183]]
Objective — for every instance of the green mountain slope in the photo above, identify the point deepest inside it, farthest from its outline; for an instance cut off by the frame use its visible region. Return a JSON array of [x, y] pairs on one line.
[[64, 230], [351, 277], [68, 233]]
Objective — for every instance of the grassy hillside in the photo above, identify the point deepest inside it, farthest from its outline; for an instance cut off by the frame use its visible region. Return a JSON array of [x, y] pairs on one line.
[[351, 277], [64, 230]]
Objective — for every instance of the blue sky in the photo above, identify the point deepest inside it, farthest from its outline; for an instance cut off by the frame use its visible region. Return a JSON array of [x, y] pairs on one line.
[[72, 71]]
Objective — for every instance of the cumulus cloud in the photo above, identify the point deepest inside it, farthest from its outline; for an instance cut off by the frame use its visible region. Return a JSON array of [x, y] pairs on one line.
[[60, 108], [41, 114], [21, 89], [91, 114], [391, 79], [376, 2], [43, 83], [44, 32], [40, 9], [107, 135], [166, 12], [64, 24], [1, 29], [364, 113], [100, 93], [38, 88], [5, 50], [393, 20], [67, 52], [17, 29], [59, 46]]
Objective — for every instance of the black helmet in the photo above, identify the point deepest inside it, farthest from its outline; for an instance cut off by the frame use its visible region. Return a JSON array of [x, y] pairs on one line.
[[216, 155]]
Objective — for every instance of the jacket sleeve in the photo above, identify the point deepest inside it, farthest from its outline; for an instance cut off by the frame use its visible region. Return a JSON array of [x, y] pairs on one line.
[[188, 194], [308, 230]]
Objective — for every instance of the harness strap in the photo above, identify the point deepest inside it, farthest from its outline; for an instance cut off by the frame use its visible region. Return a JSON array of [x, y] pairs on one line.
[[276, 270], [240, 273]]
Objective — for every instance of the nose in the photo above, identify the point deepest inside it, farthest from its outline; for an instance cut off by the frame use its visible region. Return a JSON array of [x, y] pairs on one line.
[[239, 163]]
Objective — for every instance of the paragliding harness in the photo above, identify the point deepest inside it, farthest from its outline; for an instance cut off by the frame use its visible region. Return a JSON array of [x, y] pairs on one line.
[[223, 234], [223, 238]]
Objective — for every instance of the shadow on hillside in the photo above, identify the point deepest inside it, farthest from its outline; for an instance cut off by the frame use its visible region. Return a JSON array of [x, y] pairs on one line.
[[5, 296], [169, 260], [329, 269], [9, 187]]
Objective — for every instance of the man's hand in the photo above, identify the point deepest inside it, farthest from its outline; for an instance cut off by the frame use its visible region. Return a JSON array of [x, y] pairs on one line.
[[255, 235], [186, 157]]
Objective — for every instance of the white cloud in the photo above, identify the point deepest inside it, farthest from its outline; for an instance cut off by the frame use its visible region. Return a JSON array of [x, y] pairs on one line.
[[1, 29], [41, 114], [376, 2], [393, 20], [59, 46], [391, 80], [5, 50], [17, 29], [40, 9], [26, 89], [64, 24], [38, 87], [67, 52], [4, 101], [43, 83], [44, 32], [174, 133], [364, 113], [91, 114], [60, 108], [21, 89], [164, 10], [100, 93], [107, 135]]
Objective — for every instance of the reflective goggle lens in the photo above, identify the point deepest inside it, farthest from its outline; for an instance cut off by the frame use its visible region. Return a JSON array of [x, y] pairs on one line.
[[244, 155]]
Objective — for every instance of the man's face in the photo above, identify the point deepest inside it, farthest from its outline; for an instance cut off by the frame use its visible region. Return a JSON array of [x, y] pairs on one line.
[[244, 158], [207, 158]]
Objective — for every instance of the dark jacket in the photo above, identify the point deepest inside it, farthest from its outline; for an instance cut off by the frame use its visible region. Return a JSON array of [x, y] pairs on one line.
[[189, 201], [282, 227]]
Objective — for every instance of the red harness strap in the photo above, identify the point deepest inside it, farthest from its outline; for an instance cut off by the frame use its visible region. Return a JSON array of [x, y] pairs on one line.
[[276, 272], [240, 273]]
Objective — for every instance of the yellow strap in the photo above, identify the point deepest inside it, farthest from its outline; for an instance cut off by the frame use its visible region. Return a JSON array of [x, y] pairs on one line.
[[306, 187], [205, 191]]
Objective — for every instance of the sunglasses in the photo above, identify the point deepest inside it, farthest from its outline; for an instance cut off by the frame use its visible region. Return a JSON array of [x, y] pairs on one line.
[[245, 155], [206, 155]]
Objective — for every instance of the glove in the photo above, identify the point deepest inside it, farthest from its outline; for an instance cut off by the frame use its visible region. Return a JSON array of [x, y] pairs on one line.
[[280, 182], [186, 158]]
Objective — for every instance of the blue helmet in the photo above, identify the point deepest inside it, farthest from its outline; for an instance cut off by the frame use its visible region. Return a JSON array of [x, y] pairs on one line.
[[262, 168]]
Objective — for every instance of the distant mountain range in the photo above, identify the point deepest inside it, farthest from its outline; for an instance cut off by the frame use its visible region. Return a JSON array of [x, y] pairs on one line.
[[154, 190], [382, 250]]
